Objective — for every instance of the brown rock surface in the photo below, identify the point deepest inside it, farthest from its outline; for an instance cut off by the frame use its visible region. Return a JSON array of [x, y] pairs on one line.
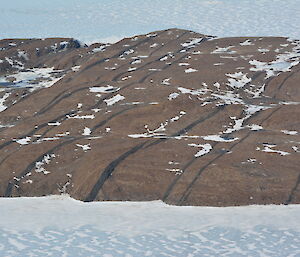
[[172, 115]]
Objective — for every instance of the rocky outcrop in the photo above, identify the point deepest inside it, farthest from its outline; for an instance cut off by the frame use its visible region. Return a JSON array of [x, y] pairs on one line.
[[172, 115]]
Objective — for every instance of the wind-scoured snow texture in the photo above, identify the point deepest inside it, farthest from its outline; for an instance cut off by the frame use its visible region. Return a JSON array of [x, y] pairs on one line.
[[109, 21], [62, 226]]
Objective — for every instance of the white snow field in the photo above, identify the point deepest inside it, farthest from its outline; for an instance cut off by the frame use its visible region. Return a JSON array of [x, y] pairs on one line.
[[62, 226], [111, 20]]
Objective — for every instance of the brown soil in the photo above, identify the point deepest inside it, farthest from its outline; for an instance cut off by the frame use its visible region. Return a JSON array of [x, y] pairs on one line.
[[139, 140]]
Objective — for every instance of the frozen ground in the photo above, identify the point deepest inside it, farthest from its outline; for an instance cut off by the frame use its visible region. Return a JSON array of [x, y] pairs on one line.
[[110, 20], [61, 226]]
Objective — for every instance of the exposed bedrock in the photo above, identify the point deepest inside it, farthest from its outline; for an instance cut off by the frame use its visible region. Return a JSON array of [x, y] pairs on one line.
[[173, 115]]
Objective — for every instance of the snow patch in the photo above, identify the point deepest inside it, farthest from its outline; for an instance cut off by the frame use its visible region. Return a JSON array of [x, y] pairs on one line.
[[84, 147], [218, 138], [104, 89], [114, 100], [189, 70], [2, 101], [269, 149], [206, 148], [39, 165], [86, 131]]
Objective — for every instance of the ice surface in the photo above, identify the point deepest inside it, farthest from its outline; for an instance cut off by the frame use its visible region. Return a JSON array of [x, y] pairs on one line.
[[110, 21], [61, 226]]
